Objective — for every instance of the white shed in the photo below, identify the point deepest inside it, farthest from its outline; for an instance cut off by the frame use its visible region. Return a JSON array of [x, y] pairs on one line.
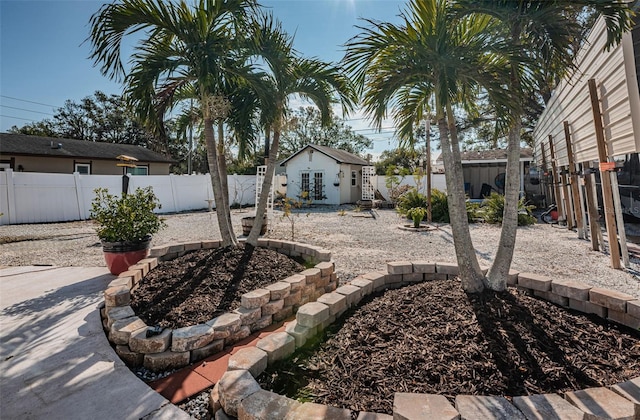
[[329, 176]]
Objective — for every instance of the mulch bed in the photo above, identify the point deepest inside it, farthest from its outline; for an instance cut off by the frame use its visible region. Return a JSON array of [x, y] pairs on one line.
[[202, 285], [433, 338]]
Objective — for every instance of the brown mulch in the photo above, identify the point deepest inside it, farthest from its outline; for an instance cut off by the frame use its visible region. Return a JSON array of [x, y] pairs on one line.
[[433, 338], [201, 285]]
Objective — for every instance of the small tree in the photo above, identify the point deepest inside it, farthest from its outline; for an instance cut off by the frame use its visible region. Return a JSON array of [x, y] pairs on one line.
[[289, 205]]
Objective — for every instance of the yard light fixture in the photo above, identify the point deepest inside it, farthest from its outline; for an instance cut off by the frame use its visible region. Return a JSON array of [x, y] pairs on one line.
[[125, 162]]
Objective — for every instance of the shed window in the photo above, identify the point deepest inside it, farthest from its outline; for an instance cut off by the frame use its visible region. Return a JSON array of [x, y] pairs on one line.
[[304, 183], [354, 178], [318, 186]]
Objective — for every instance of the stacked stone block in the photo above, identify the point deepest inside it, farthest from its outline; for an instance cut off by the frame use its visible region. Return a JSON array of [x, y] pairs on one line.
[[260, 308]]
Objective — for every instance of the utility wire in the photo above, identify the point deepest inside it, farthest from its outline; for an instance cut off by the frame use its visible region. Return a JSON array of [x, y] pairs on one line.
[[17, 118], [31, 102], [24, 109]]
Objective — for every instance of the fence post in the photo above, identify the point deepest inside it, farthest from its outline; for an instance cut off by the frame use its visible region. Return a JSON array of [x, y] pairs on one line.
[[174, 193], [11, 197], [79, 196]]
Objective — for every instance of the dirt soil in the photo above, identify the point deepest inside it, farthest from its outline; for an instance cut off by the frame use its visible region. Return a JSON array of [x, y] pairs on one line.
[[433, 338], [202, 285]]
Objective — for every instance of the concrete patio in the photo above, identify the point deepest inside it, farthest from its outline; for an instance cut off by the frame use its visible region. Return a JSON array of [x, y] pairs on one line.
[[55, 361]]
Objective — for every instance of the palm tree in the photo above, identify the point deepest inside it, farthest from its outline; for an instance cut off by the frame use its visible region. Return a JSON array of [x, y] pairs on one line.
[[402, 67], [186, 51], [287, 74], [545, 30]]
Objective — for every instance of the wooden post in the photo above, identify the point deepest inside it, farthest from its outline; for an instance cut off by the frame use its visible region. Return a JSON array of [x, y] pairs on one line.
[[548, 191], [573, 177], [618, 208], [567, 199], [583, 202], [607, 196], [556, 180], [592, 208]]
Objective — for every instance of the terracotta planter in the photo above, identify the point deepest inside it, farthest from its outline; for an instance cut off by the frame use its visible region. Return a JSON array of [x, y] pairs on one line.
[[247, 224], [119, 256]]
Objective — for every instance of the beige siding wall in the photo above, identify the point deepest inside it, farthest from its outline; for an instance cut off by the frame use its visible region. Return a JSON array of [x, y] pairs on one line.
[[616, 77], [67, 165]]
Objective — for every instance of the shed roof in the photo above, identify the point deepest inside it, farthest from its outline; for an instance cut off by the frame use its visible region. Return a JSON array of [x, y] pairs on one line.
[[340, 156], [494, 155], [27, 145]]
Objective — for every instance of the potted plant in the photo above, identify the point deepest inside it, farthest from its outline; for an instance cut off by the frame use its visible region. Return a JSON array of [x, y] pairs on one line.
[[125, 225]]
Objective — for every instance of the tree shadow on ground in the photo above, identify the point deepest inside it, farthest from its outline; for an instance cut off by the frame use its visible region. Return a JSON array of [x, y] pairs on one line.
[[517, 341]]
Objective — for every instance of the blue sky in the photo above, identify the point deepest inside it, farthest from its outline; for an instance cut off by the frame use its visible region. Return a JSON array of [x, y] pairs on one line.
[[43, 56]]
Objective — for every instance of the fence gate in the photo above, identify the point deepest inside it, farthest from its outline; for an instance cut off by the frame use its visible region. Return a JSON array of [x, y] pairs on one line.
[[368, 190], [260, 174]]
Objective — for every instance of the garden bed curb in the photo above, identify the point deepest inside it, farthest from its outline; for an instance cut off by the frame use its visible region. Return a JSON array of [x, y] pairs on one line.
[[619, 401], [172, 349]]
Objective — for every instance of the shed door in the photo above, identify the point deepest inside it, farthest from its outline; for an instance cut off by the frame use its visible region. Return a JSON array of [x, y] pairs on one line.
[[312, 183]]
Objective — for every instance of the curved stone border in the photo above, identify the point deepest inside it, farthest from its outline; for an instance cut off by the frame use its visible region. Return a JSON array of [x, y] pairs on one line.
[[240, 395], [171, 349]]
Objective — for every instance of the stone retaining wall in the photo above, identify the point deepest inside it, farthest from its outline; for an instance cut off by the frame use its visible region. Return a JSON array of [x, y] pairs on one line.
[[239, 394], [259, 308]]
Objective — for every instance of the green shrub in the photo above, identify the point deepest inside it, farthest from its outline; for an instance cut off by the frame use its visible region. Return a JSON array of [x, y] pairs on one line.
[[417, 214], [409, 200], [439, 207], [493, 209], [129, 218]]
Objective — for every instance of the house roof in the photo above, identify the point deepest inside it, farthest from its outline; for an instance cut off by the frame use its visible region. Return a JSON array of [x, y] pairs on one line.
[[340, 156], [494, 155], [26, 145]]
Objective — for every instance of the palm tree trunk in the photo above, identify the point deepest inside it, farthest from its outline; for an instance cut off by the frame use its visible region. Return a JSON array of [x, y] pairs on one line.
[[261, 208], [224, 211], [223, 223], [499, 271], [470, 273]]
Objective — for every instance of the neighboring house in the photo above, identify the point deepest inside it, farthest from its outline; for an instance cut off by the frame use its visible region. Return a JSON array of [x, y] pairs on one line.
[[487, 167], [24, 153], [329, 176]]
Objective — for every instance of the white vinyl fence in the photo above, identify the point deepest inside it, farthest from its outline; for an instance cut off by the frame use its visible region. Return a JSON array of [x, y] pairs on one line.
[[31, 197]]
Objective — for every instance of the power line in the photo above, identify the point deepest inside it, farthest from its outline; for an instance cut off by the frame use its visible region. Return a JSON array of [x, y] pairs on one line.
[[375, 129], [16, 118], [24, 109], [31, 102]]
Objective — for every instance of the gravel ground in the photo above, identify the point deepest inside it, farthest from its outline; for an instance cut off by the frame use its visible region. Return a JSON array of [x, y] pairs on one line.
[[360, 241]]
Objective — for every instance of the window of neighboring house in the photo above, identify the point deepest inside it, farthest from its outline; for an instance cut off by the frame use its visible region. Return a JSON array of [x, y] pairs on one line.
[[354, 178], [5, 165], [138, 170], [82, 168]]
